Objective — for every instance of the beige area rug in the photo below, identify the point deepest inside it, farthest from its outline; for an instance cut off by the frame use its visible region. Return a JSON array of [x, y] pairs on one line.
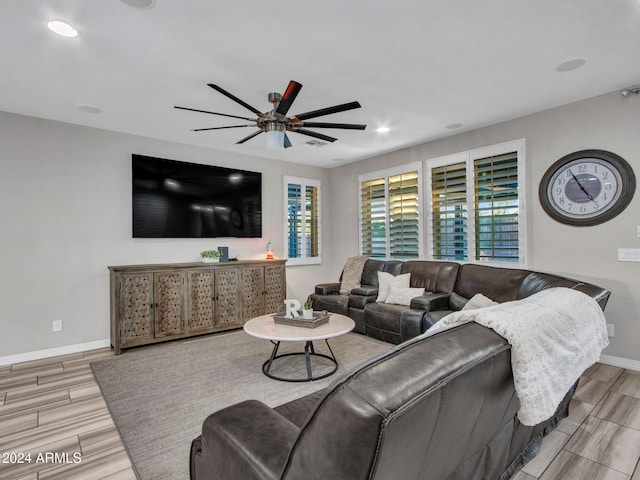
[[160, 395]]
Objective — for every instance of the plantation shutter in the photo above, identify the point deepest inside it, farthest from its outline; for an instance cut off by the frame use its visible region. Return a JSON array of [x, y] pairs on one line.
[[312, 215], [302, 209], [449, 212], [294, 220], [373, 218], [404, 215], [496, 207]]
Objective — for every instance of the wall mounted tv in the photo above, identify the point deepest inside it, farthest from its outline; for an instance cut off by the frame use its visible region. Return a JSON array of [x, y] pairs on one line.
[[174, 199]]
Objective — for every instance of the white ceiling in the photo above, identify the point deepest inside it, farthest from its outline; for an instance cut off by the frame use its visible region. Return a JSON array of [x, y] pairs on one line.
[[416, 66]]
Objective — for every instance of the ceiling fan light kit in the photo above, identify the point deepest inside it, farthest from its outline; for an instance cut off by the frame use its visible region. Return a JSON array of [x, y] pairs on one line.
[[275, 123]]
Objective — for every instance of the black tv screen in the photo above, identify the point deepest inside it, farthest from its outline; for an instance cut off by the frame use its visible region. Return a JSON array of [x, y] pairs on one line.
[[174, 199]]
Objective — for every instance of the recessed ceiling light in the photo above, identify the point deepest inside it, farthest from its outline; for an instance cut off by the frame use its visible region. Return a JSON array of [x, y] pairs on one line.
[[453, 126], [382, 129], [572, 64], [140, 4], [62, 28], [88, 108]]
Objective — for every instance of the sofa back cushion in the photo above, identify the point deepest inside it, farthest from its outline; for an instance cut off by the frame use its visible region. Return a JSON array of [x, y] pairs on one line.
[[433, 276], [536, 281], [419, 410], [497, 283], [370, 271]]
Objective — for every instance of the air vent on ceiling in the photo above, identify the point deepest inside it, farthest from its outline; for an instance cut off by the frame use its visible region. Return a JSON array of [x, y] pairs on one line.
[[315, 143]]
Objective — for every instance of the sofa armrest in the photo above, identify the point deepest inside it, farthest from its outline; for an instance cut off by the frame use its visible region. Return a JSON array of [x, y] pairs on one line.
[[366, 291], [327, 288], [431, 301], [248, 440]]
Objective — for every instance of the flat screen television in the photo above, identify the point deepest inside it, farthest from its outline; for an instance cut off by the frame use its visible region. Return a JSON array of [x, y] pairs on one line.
[[173, 199]]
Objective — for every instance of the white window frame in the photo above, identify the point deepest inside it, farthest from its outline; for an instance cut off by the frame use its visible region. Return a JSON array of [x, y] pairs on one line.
[[386, 173], [468, 158], [303, 182]]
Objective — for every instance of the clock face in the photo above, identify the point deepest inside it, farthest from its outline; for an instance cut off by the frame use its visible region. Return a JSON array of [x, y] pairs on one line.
[[587, 187]]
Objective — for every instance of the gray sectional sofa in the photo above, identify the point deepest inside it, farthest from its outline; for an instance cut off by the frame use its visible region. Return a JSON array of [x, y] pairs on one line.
[[448, 286], [434, 407]]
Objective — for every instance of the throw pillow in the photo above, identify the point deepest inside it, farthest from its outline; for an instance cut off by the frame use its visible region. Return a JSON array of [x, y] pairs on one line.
[[352, 274], [386, 280], [479, 301], [403, 296]]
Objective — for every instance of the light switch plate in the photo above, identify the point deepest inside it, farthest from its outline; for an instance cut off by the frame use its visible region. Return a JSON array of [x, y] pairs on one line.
[[629, 254]]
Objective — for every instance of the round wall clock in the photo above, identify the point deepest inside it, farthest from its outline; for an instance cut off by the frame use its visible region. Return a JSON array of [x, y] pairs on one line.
[[587, 187]]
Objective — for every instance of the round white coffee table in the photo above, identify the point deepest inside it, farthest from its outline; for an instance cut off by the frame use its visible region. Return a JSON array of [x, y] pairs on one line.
[[265, 327]]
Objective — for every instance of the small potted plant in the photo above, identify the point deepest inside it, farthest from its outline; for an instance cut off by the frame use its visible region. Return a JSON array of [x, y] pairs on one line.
[[210, 256], [307, 311]]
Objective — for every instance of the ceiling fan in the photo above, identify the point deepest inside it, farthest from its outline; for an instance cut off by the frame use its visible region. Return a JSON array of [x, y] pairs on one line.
[[275, 123]]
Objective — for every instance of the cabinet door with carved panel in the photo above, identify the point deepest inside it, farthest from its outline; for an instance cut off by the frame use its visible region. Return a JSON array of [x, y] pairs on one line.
[[169, 316], [275, 288], [252, 292], [227, 306], [134, 302], [201, 301]]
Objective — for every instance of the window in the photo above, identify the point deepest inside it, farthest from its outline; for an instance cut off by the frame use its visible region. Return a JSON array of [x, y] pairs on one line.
[[302, 211], [390, 218], [475, 200]]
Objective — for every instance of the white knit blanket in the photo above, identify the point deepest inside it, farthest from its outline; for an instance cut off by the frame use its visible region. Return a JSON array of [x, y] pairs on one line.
[[555, 335]]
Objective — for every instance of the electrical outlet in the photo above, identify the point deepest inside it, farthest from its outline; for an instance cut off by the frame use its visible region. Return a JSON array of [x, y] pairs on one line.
[[610, 332], [56, 326]]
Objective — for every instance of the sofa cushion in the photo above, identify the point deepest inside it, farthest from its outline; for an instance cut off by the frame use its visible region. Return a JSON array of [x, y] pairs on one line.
[[386, 281], [499, 284], [479, 301], [433, 276], [457, 302], [352, 274], [331, 303], [403, 296]]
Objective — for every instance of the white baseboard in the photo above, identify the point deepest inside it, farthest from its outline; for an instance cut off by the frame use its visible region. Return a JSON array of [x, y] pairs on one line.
[[620, 362], [54, 352], [83, 347]]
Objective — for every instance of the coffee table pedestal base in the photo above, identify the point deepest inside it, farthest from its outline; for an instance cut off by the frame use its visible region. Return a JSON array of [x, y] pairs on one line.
[[309, 352]]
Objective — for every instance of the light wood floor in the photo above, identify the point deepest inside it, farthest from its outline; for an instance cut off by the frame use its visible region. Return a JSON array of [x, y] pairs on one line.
[[54, 406]]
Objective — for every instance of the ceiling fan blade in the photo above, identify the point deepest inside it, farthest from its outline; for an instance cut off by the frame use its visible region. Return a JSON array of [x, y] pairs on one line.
[[235, 99], [249, 137], [327, 111], [220, 128], [345, 126], [215, 113], [287, 142], [288, 97], [326, 138]]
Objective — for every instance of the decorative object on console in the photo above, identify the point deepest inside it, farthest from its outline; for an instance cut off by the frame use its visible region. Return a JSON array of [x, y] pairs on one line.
[[210, 256], [270, 255], [224, 254], [275, 122], [586, 188]]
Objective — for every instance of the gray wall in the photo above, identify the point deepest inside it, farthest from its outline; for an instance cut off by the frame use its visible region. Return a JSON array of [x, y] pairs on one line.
[[606, 122], [65, 215]]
